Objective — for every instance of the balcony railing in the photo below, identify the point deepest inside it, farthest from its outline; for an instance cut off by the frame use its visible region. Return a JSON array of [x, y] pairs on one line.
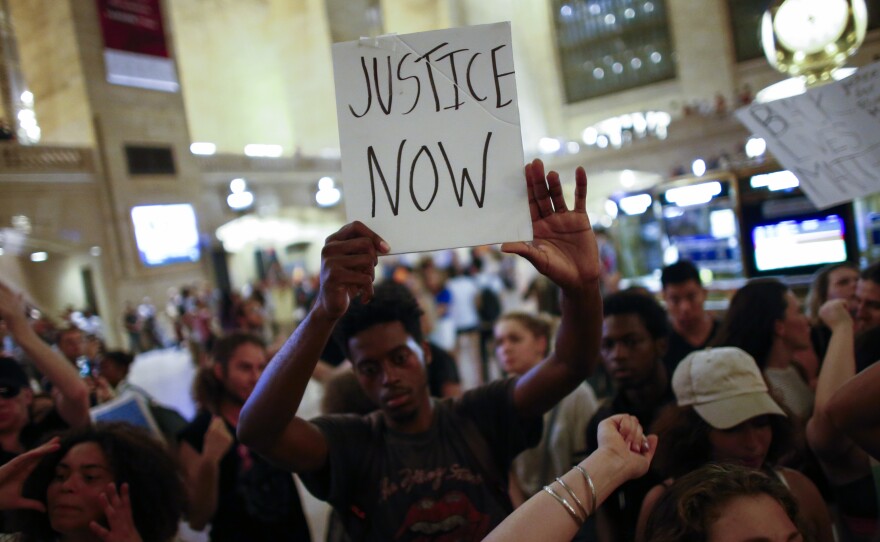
[[15, 158], [242, 163]]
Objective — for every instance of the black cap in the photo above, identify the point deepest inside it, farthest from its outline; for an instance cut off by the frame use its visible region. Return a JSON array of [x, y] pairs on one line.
[[11, 373]]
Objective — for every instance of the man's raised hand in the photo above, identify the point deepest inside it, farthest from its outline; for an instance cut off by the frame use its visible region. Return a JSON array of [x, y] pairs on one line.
[[348, 263], [564, 247]]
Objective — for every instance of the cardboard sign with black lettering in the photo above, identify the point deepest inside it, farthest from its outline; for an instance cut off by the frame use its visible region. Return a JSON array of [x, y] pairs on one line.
[[430, 136], [828, 137]]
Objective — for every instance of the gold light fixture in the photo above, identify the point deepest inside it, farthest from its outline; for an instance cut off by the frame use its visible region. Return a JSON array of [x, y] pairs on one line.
[[812, 39]]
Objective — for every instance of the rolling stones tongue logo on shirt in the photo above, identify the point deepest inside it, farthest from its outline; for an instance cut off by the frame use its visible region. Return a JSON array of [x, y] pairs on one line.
[[448, 519]]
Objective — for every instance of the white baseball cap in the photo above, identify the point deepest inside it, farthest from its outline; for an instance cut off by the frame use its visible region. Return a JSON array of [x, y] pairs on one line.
[[724, 385]]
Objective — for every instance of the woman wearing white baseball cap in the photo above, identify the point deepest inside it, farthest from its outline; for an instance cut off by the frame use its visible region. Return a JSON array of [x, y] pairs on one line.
[[724, 414]]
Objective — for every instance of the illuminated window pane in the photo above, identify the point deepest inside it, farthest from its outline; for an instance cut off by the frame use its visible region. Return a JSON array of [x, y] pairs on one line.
[[606, 46]]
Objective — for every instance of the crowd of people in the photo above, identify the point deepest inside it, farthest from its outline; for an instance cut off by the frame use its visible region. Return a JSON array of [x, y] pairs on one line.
[[448, 416]]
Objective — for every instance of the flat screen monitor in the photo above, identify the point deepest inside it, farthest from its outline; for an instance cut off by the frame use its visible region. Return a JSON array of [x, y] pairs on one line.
[[799, 243], [166, 234]]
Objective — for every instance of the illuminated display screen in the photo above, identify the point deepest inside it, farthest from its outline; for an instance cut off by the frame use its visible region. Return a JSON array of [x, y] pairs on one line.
[[166, 234], [798, 243]]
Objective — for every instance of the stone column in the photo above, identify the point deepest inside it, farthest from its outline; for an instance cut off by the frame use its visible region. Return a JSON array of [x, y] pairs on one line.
[[11, 80]]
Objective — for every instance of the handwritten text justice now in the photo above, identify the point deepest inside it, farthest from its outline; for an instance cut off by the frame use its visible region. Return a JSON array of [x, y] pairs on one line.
[[383, 82]]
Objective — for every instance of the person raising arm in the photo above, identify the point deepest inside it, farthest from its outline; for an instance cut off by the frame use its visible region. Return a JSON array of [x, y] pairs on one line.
[[841, 458], [846, 465], [564, 250], [853, 408], [72, 397], [624, 453], [383, 340]]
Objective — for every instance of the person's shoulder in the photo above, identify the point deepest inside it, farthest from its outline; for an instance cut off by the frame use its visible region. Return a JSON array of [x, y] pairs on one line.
[[795, 480], [803, 490], [345, 418], [502, 386], [481, 401], [350, 424]]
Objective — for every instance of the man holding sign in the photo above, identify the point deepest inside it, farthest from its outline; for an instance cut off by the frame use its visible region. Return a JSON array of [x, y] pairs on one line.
[[420, 469]]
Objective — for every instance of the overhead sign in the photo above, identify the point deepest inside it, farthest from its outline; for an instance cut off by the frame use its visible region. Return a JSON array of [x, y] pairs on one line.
[[829, 137], [430, 137], [135, 49]]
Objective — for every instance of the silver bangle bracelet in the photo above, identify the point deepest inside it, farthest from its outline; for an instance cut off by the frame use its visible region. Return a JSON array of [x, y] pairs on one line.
[[565, 504], [574, 497], [592, 488]]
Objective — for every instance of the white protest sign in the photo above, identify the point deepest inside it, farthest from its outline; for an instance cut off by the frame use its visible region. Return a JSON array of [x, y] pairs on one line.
[[430, 137], [828, 137]]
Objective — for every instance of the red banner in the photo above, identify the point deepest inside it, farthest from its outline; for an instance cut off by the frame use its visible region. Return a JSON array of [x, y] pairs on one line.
[[134, 26]]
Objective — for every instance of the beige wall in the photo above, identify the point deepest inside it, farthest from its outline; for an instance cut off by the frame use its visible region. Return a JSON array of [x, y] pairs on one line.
[[407, 16], [304, 37], [230, 69], [52, 71]]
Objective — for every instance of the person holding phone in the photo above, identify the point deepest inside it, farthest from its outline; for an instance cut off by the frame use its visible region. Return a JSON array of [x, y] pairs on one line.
[[18, 430]]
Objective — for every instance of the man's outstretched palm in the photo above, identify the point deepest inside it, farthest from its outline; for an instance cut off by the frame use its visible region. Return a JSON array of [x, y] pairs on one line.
[[564, 247]]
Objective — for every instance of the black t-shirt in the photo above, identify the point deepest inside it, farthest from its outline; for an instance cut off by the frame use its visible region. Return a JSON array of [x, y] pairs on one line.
[[622, 507], [429, 486], [679, 348], [441, 370], [256, 501]]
